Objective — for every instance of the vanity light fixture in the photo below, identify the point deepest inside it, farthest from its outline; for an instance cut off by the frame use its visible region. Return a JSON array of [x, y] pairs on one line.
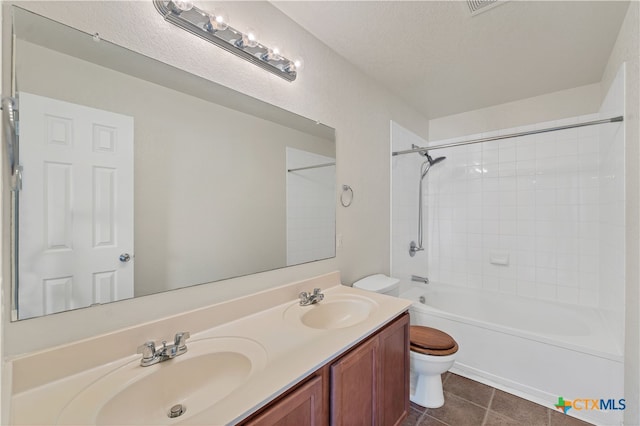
[[214, 27]]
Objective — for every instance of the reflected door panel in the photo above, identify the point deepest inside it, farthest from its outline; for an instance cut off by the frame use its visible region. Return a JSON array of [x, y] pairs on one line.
[[76, 206]]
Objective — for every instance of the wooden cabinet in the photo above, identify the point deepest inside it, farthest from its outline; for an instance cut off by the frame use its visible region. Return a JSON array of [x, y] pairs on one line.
[[393, 396], [368, 385], [302, 406], [354, 386]]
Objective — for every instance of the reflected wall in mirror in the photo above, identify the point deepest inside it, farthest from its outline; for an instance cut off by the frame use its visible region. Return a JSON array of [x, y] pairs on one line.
[[139, 177]]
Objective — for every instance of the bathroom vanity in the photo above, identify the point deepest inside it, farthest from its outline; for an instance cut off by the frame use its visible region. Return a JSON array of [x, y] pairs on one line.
[[369, 384], [262, 359]]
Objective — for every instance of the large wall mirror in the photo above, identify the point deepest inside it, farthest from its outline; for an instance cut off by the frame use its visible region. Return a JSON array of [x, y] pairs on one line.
[[139, 177]]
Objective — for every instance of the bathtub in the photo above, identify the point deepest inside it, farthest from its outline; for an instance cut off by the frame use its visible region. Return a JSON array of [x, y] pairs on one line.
[[535, 349]]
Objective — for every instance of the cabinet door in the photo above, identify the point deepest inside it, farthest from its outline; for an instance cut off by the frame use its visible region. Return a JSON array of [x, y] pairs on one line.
[[354, 386], [370, 385], [303, 406], [394, 373]]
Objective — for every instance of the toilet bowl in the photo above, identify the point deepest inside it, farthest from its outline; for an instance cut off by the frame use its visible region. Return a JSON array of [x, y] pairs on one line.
[[432, 351]]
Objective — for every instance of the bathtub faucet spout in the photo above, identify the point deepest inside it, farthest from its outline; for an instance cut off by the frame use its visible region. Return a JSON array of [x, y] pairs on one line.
[[420, 279]]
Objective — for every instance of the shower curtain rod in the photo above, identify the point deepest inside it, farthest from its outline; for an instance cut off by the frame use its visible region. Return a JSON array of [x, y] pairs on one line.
[[512, 135], [311, 167]]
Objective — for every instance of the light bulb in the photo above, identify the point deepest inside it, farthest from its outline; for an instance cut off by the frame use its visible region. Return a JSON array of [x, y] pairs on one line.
[[219, 20], [182, 5], [271, 55], [251, 38], [294, 66], [248, 39]]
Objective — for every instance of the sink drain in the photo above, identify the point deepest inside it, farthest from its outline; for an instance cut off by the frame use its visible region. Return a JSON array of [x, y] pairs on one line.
[[176, 411]]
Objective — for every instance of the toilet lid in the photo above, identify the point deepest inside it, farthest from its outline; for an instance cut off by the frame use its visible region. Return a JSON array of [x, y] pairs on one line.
[[431, 341]]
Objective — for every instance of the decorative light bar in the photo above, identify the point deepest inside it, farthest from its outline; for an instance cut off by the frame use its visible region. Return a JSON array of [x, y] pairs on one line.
[[214, 27]]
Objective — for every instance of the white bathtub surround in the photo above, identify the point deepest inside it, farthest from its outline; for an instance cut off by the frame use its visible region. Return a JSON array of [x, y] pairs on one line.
[[291, 351], [536, 350], [538, 216], [611, 223], [532, 201], [405, 179]]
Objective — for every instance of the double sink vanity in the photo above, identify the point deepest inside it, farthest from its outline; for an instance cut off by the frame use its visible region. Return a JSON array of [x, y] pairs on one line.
[[261, 359]]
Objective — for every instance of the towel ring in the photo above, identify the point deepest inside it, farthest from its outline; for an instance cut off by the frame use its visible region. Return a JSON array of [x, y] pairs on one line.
[[346, 189]]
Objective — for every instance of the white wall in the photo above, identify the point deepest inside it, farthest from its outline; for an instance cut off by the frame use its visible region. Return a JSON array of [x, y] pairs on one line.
[[4, 382], [328, 89], [627, 50], [551, 106]]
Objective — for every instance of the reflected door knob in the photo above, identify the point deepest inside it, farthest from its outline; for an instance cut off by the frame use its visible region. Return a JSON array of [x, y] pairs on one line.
[[125, 257]]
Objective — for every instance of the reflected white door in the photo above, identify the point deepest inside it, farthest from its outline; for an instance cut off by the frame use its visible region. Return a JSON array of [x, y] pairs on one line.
[[76, 206]]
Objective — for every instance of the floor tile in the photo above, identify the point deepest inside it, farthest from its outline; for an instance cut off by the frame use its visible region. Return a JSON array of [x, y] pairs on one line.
[[469, 389], [417, 407], [427, 420], [458, 412], [413, 417], [521, 410], [495, 419], [561, 419], [465, 402]]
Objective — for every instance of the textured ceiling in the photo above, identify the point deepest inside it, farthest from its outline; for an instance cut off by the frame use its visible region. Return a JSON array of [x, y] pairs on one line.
[[442, 61]]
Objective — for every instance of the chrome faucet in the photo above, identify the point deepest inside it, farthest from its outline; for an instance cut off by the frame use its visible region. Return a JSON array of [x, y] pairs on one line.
[[309, 299], [151, 355], [419, 279]]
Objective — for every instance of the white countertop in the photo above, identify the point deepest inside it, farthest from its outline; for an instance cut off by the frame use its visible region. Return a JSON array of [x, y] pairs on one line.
[[292, 350]]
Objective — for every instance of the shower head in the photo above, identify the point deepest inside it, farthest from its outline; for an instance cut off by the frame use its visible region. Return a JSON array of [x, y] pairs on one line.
[[428, 163], [433, 161]]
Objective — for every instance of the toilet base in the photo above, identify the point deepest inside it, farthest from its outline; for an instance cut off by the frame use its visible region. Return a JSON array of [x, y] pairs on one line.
[[426, 378], [428, 391]]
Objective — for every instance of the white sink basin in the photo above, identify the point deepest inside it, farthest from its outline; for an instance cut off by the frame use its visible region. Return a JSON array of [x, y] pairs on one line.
[[134, 395], [339, 311]]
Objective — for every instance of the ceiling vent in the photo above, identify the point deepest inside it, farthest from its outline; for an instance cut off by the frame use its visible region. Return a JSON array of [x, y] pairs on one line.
[[479, 6]]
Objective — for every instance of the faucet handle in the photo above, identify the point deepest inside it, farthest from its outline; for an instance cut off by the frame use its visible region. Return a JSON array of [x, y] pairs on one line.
[[148, 350], [180, 339], [318, 296]]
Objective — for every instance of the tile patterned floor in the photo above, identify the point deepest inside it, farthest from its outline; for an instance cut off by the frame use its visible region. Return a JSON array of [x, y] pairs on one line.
[[469, 403]]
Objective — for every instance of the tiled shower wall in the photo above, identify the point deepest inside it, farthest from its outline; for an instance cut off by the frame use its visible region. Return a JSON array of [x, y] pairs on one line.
[[611, 232], [538, 216]]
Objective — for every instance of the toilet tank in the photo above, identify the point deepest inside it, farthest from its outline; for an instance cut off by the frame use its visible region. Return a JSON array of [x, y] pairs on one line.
[[379, 283]]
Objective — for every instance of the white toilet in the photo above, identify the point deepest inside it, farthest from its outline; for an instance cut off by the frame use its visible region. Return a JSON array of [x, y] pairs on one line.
[[432, 351]]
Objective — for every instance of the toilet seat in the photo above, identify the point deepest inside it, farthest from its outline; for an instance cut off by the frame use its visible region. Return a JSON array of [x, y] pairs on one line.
[[431, 341]]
